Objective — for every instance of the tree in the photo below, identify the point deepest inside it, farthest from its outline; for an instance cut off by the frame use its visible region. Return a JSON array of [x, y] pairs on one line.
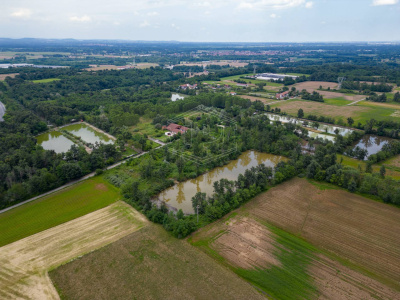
[[199, 200], [300, 113], [396, 97], [382, 171], [352, 185], [350, 121]]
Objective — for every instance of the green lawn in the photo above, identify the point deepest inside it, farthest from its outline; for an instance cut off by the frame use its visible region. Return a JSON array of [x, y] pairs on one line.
[[55, 209], [340, 101], [46, 80]]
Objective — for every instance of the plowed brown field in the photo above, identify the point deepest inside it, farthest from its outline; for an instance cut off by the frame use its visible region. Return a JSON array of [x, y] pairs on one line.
[[363, 232]]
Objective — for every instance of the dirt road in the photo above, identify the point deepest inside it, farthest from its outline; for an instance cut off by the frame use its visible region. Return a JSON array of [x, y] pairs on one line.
[[25, 263]]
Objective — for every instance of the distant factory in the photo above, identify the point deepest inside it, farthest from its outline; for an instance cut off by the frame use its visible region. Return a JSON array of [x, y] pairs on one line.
[[272, 76]]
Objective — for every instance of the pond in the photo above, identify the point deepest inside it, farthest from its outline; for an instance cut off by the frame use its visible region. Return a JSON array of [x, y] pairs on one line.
[[175, 97], [54, 140], [88, 134], [372, 143], [322, 127], [180, 195], [315, 135]]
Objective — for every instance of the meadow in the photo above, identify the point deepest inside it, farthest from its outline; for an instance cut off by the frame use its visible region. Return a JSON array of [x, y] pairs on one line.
[[45, 80], [57, 208], [149, 264]]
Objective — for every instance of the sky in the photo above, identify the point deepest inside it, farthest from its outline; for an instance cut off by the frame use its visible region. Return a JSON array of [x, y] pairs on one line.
[[203, 21]]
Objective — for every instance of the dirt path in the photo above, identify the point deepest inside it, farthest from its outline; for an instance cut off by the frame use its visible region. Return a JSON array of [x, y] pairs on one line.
[[25, 263], [2, 111]]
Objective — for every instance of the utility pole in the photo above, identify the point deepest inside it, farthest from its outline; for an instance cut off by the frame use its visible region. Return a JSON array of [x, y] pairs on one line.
[[340, 81]]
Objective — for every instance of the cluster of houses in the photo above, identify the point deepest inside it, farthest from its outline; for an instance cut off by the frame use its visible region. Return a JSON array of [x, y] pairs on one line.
[[188, 86]]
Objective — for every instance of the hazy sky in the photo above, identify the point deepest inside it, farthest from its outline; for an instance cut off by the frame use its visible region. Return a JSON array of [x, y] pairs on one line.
[[198, 20]]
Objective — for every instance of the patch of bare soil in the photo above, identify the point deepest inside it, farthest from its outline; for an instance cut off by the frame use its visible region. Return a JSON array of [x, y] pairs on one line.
[[362, 231], [3, 76], [101, 186], [24, 263], [246, 244], [253, 98], [337, 282], [314, 85]]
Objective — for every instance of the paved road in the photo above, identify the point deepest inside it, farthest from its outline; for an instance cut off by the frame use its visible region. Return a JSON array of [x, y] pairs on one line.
[[2, 111], [157, 141], [79, 180]]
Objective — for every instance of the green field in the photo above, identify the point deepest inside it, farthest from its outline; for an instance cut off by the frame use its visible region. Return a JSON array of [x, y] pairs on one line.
[[236, 77], [289, 280], [45, 80], [145, 126], [337, 101], [57, 208]]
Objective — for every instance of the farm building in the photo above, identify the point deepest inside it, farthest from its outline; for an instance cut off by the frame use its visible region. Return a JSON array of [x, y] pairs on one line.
[[175, 128], [271, 76], [283, 95]]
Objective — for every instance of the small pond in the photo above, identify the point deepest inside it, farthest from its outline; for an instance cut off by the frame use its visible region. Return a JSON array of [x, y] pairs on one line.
[[88, 134], [372, 143], [54, 140], [180, 195], [175, 97], [322, 127]]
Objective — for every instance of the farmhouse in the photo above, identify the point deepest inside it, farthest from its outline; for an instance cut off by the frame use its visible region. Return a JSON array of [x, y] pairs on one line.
[[175, 128], [233, 93], [283, 95]]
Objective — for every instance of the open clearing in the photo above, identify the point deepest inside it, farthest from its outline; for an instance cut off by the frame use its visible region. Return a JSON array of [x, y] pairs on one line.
[[149, 264], [3, 76], [253, 98], [24, 264], [359, 230], [312, 86], [312, 107], [45, 80], [354, 237], [55, 209]]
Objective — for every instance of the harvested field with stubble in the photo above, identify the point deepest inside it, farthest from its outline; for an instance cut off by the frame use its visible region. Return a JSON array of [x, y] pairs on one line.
[[361, 231], [317, 108], [25, 263], [253, 98], [149, 264], [3, 76], [312, 86], [339, 245]]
